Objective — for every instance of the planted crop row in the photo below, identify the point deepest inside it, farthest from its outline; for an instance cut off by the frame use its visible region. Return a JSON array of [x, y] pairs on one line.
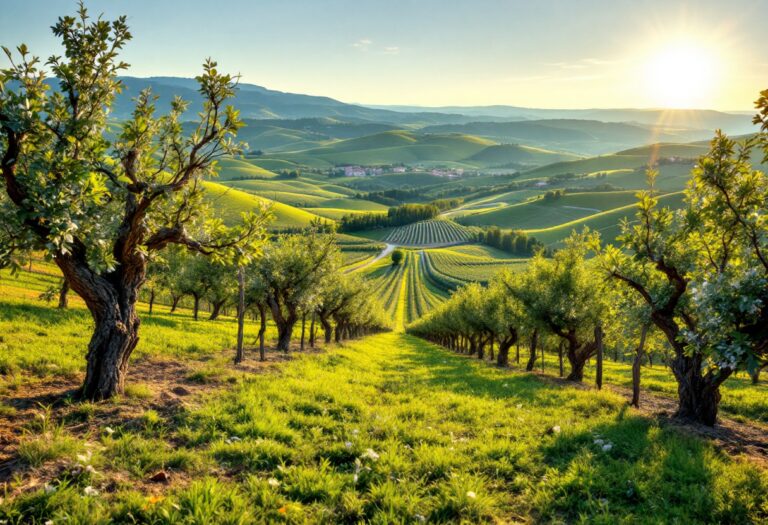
[[387, 286], [423, 296], [467, 268], [442, 281], [435, 231]]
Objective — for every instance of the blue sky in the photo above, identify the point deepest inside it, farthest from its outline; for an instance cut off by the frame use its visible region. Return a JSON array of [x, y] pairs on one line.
[[621, 53]]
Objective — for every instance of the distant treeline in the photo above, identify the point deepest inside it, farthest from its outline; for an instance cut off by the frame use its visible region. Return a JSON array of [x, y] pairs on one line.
[[396, 216], [512, 242], [392, 197]]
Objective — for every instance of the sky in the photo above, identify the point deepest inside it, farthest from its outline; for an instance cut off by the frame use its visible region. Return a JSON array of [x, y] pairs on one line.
[[543, 53]]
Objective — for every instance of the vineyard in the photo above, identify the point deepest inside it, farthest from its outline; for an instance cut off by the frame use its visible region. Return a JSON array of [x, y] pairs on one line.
[[453, 268], [424, 293], [387, 283], [355, 250], [431, 275], [435, 232]]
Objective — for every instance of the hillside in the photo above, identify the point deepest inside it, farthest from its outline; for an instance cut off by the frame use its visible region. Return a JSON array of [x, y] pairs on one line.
[[229, 203], [582, 136], [425, 149]]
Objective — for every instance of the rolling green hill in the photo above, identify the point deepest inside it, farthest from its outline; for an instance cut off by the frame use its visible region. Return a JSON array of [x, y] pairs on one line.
[[606, 223], [230, 203], [514, 155], [409, 147], [543, 213]]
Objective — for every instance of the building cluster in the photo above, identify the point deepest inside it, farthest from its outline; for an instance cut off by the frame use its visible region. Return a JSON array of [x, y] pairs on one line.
[[448, 173]]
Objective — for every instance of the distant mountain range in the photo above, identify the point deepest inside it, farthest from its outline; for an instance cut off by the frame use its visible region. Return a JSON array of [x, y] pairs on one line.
[[700, 119], [284, 122]]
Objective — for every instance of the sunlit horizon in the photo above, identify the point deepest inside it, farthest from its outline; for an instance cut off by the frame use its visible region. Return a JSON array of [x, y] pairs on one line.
[[647, 55]]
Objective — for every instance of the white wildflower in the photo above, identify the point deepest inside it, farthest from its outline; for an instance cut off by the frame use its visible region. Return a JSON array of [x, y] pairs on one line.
[[109, 430], [556, 429], [90, 491], [471, 494], [420, 518], [49, 489], [607, 447], [274, 483], [348, 444], [599, 442], [370, 454]]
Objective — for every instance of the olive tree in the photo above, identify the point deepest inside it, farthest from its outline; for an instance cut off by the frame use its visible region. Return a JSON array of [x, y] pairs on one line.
[[564, 296], [703, 270], [294, 268], [99, 207]]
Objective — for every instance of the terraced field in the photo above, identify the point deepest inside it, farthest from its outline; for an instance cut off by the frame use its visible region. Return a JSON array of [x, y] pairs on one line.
[[429, 233]]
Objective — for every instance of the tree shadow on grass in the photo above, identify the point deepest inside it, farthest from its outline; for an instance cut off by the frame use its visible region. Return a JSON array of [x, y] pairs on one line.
[[464, 375], [632, 469]]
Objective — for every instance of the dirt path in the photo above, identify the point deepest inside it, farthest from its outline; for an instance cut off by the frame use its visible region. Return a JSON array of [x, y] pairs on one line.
[[389, 248]]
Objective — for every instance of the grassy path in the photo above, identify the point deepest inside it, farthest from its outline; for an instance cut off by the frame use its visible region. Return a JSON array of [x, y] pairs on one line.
[[391, 429]]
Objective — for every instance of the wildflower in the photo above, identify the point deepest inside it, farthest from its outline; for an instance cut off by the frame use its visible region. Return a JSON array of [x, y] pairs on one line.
[[471, 494], [154, 499], [109, 430], [556, 429], [607, 447], [348, 444], [49, 489], [273, 482], [90, 491], [370, 454], [90, 470], [84, 458], [282, 510], [599, 442], [47, 522], [420, 518]]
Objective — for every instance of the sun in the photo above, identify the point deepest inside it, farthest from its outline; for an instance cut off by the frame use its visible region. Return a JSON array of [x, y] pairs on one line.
[[682, 75]]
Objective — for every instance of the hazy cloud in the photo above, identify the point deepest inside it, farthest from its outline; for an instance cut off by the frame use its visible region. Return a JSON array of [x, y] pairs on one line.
[[391, 50], [363, 44], [582, 63]]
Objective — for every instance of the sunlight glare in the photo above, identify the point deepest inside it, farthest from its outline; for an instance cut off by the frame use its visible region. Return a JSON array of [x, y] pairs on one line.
[[682, 75]]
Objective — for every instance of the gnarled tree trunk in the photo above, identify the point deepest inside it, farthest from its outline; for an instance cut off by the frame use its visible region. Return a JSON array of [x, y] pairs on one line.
[[63, 294], [698, 393], [532, 358], [285, 324], [216, 310], [262, 330], [639, 352], [111, 299]]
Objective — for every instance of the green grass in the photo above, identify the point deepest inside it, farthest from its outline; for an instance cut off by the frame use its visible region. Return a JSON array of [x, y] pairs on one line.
[[28, 326], [391, 429]]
